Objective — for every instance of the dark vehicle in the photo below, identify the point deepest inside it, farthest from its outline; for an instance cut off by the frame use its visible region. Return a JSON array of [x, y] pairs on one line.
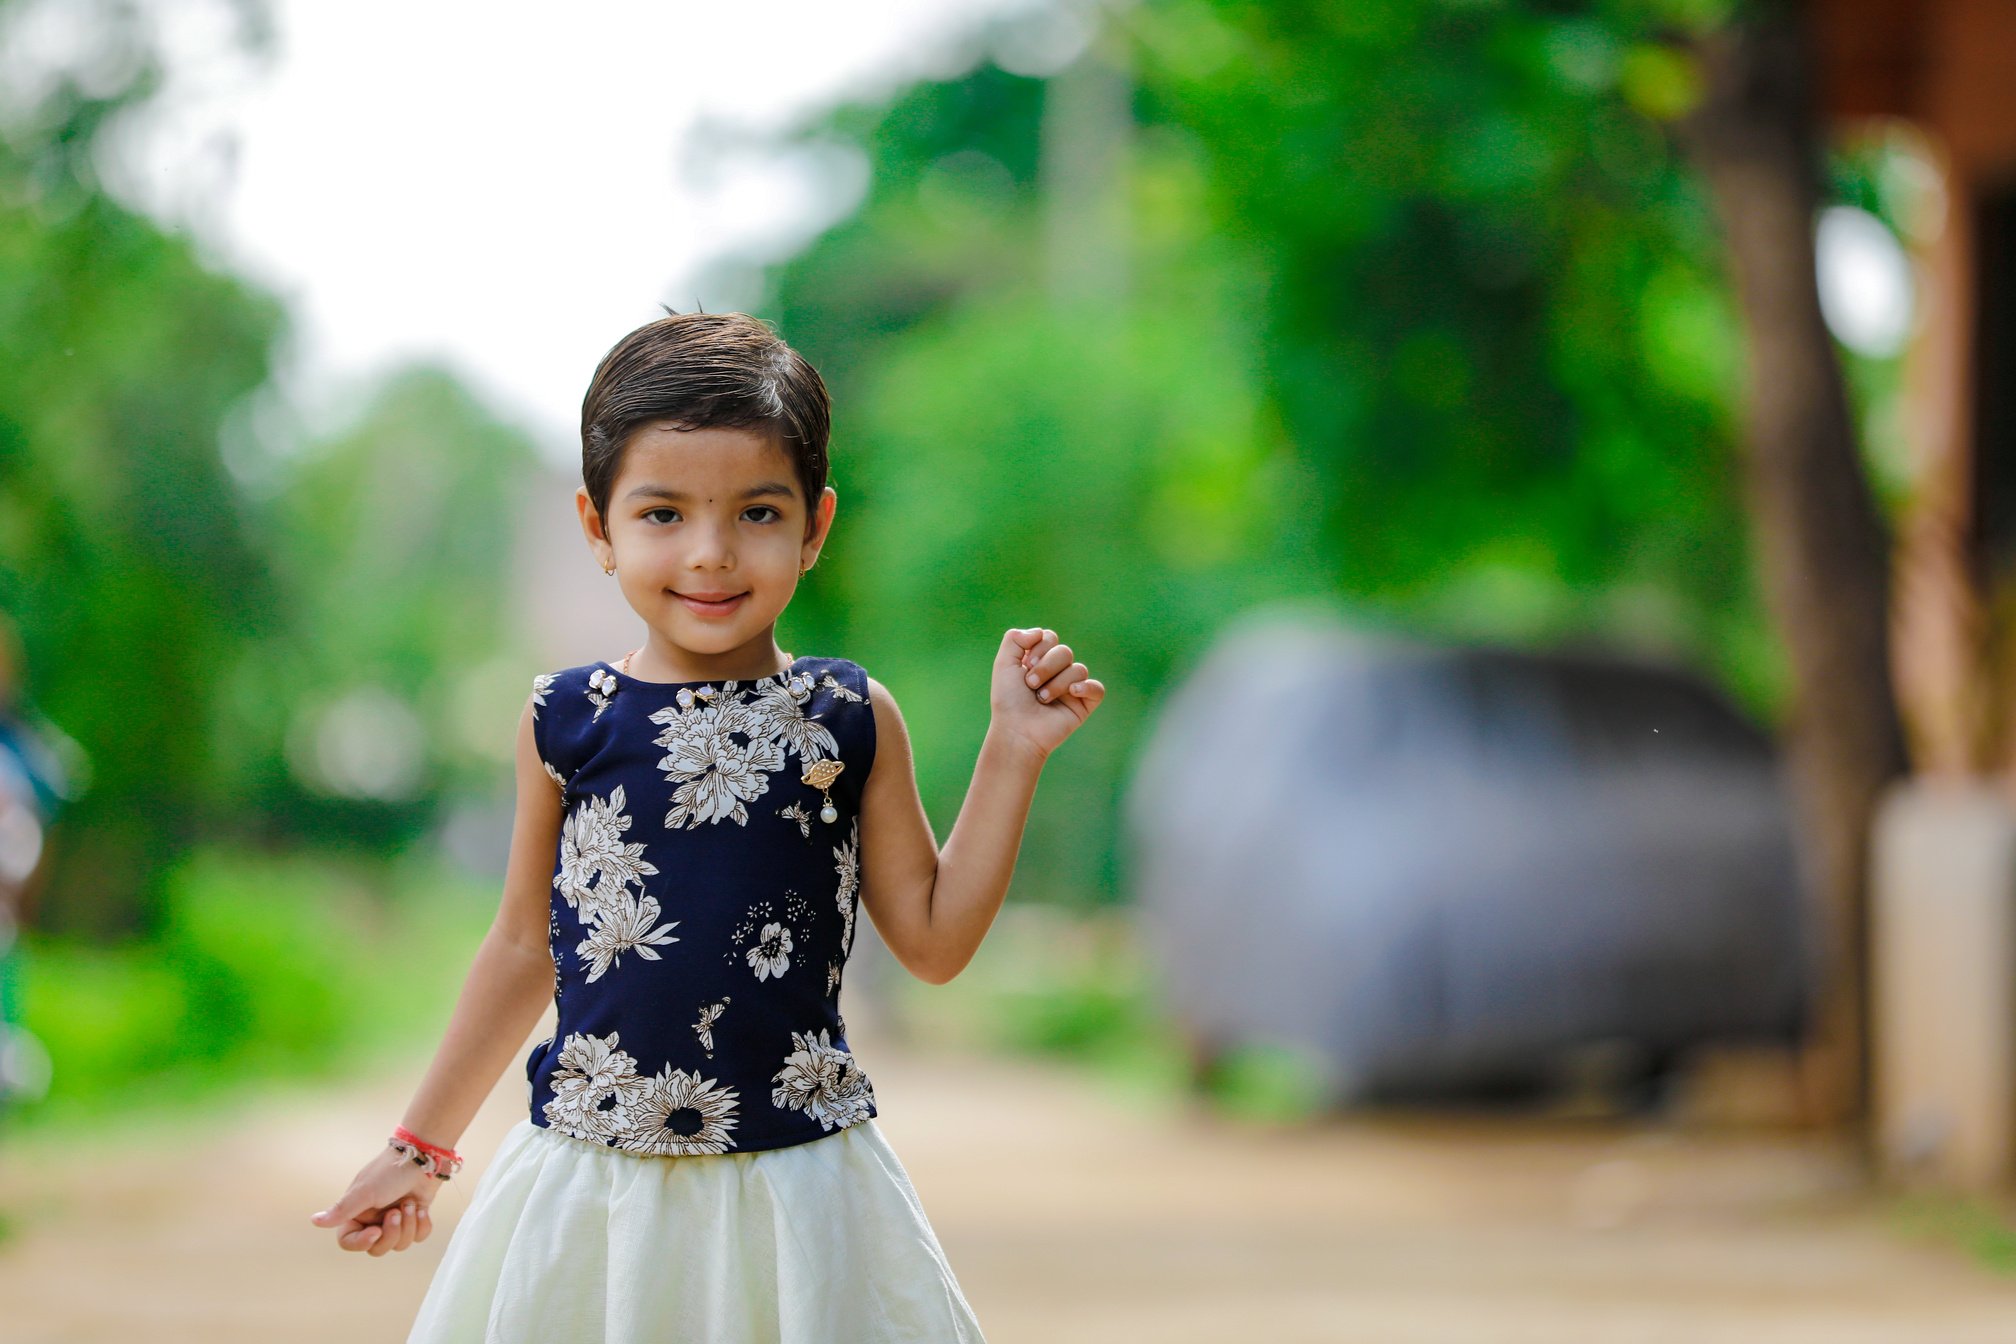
[[1443, 873]]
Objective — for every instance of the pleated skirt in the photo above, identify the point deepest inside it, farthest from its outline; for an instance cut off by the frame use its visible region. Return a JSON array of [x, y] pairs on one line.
[[571, 1242]]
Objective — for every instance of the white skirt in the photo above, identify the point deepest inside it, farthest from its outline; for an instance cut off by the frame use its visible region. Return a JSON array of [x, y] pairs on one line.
[[566, 1240]]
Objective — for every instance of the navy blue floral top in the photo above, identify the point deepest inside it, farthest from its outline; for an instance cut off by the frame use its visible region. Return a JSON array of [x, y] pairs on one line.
[[703, 908]]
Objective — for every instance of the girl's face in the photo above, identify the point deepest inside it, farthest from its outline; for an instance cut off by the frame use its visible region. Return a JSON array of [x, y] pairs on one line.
[[707, 531]]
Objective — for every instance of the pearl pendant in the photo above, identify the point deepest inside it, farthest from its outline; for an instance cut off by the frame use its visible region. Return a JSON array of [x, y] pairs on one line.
[[820, 775]]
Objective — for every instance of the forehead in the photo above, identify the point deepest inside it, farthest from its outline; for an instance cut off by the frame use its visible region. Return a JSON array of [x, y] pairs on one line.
[[701, 461]]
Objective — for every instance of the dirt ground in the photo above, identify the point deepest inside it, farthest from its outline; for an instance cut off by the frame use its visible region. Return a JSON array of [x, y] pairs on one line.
[[1071, 1214]]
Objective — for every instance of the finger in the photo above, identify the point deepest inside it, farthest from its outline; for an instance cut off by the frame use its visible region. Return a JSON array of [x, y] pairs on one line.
[[359, 1237], [1055, 660], [1055, 682], [1045, 661], [403, 1234], [1054, 688], [408, 1223], [1085, 694], [343, 1210], [1015, 645], [391, 1237], [1040, 646], [425, 1219], [398, 1228]]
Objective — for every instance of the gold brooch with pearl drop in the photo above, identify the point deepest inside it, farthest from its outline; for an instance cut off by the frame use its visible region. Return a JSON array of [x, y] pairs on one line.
[[820, 775], [687, 695]]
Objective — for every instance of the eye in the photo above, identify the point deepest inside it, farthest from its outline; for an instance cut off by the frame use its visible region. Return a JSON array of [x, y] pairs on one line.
[[660, 509], [767, 508]]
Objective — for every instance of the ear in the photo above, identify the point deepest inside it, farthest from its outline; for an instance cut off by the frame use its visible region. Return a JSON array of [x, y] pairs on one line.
[[591, 527], [822, 523]]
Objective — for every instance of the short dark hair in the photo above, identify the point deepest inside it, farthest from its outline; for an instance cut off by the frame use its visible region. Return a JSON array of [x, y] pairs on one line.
[[704, 371]]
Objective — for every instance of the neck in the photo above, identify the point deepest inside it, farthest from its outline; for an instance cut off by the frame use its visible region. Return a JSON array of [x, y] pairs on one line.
[[658, 659]]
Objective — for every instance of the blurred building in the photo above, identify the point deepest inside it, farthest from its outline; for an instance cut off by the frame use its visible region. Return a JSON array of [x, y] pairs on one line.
[[1947, 68], [1943, 910]]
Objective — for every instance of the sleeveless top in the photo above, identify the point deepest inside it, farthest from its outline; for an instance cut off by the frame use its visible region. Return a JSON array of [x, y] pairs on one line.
[[703, 907]]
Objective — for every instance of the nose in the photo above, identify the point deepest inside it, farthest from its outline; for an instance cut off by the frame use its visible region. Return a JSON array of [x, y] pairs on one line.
[[709, 548]]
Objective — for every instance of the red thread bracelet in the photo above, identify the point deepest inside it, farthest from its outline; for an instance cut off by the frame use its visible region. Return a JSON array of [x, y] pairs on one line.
[[447, 1154], [436, 1161]]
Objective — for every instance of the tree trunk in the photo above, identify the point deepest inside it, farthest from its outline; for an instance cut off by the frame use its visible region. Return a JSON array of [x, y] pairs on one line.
[[1820, 543]]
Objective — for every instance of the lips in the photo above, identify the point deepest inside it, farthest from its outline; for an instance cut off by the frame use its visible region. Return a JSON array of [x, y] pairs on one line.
[[711, 604]]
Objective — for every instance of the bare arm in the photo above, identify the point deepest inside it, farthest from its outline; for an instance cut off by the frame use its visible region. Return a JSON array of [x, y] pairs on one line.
[[508, 986], [933, 907], [511, 981]]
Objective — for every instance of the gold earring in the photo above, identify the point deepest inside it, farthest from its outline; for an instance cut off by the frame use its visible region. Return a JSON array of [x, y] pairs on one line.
[[608, 569]]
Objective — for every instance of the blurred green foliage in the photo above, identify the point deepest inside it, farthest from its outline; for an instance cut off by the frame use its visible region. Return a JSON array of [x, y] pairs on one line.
[[213, 609], [1410, 302], [1983, 1227], [123, 552], [394, 542], [265, 967], [1058, 983], [1076, 986]]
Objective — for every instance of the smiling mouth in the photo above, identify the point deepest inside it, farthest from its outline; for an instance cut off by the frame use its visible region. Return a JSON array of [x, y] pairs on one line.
[[711, 606]]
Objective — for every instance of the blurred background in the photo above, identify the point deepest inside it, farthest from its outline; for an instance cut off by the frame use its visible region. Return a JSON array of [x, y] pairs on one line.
[[1536, 477]]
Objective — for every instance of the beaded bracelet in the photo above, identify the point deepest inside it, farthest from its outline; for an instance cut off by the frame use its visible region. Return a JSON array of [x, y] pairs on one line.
[[429, 1157]]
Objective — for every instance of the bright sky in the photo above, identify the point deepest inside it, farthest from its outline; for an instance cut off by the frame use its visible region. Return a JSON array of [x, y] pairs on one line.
[[507, 186]]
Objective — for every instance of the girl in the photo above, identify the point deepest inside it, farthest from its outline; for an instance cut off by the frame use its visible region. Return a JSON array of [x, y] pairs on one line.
[[696, 825]]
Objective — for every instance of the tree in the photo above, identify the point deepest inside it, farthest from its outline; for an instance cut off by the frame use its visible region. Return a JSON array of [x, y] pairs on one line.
[[1821, 545]]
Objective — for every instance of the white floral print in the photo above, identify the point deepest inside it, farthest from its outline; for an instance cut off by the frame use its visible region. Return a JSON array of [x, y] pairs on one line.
[[598, 1095], [721, 755], [679, 1114], [540, 685], [594, 1084], [764, 939], [689, 1089], [703, 1029], [597, 867], [847, 859], [772, 953], [715, 764], [596, 863], [844, 692], [781, 715], [627, 928], [600, 690], [823, 1081]]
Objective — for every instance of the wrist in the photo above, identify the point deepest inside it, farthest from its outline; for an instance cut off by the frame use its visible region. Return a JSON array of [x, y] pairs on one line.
[[435, 1160], [427, 1137], [1013, 747]]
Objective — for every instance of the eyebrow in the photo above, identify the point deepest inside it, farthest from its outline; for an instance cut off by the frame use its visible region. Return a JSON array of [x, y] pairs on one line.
[[757, 491]]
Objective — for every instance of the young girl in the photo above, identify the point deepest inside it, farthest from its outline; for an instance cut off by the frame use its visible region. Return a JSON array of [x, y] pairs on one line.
[[696, 825]]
